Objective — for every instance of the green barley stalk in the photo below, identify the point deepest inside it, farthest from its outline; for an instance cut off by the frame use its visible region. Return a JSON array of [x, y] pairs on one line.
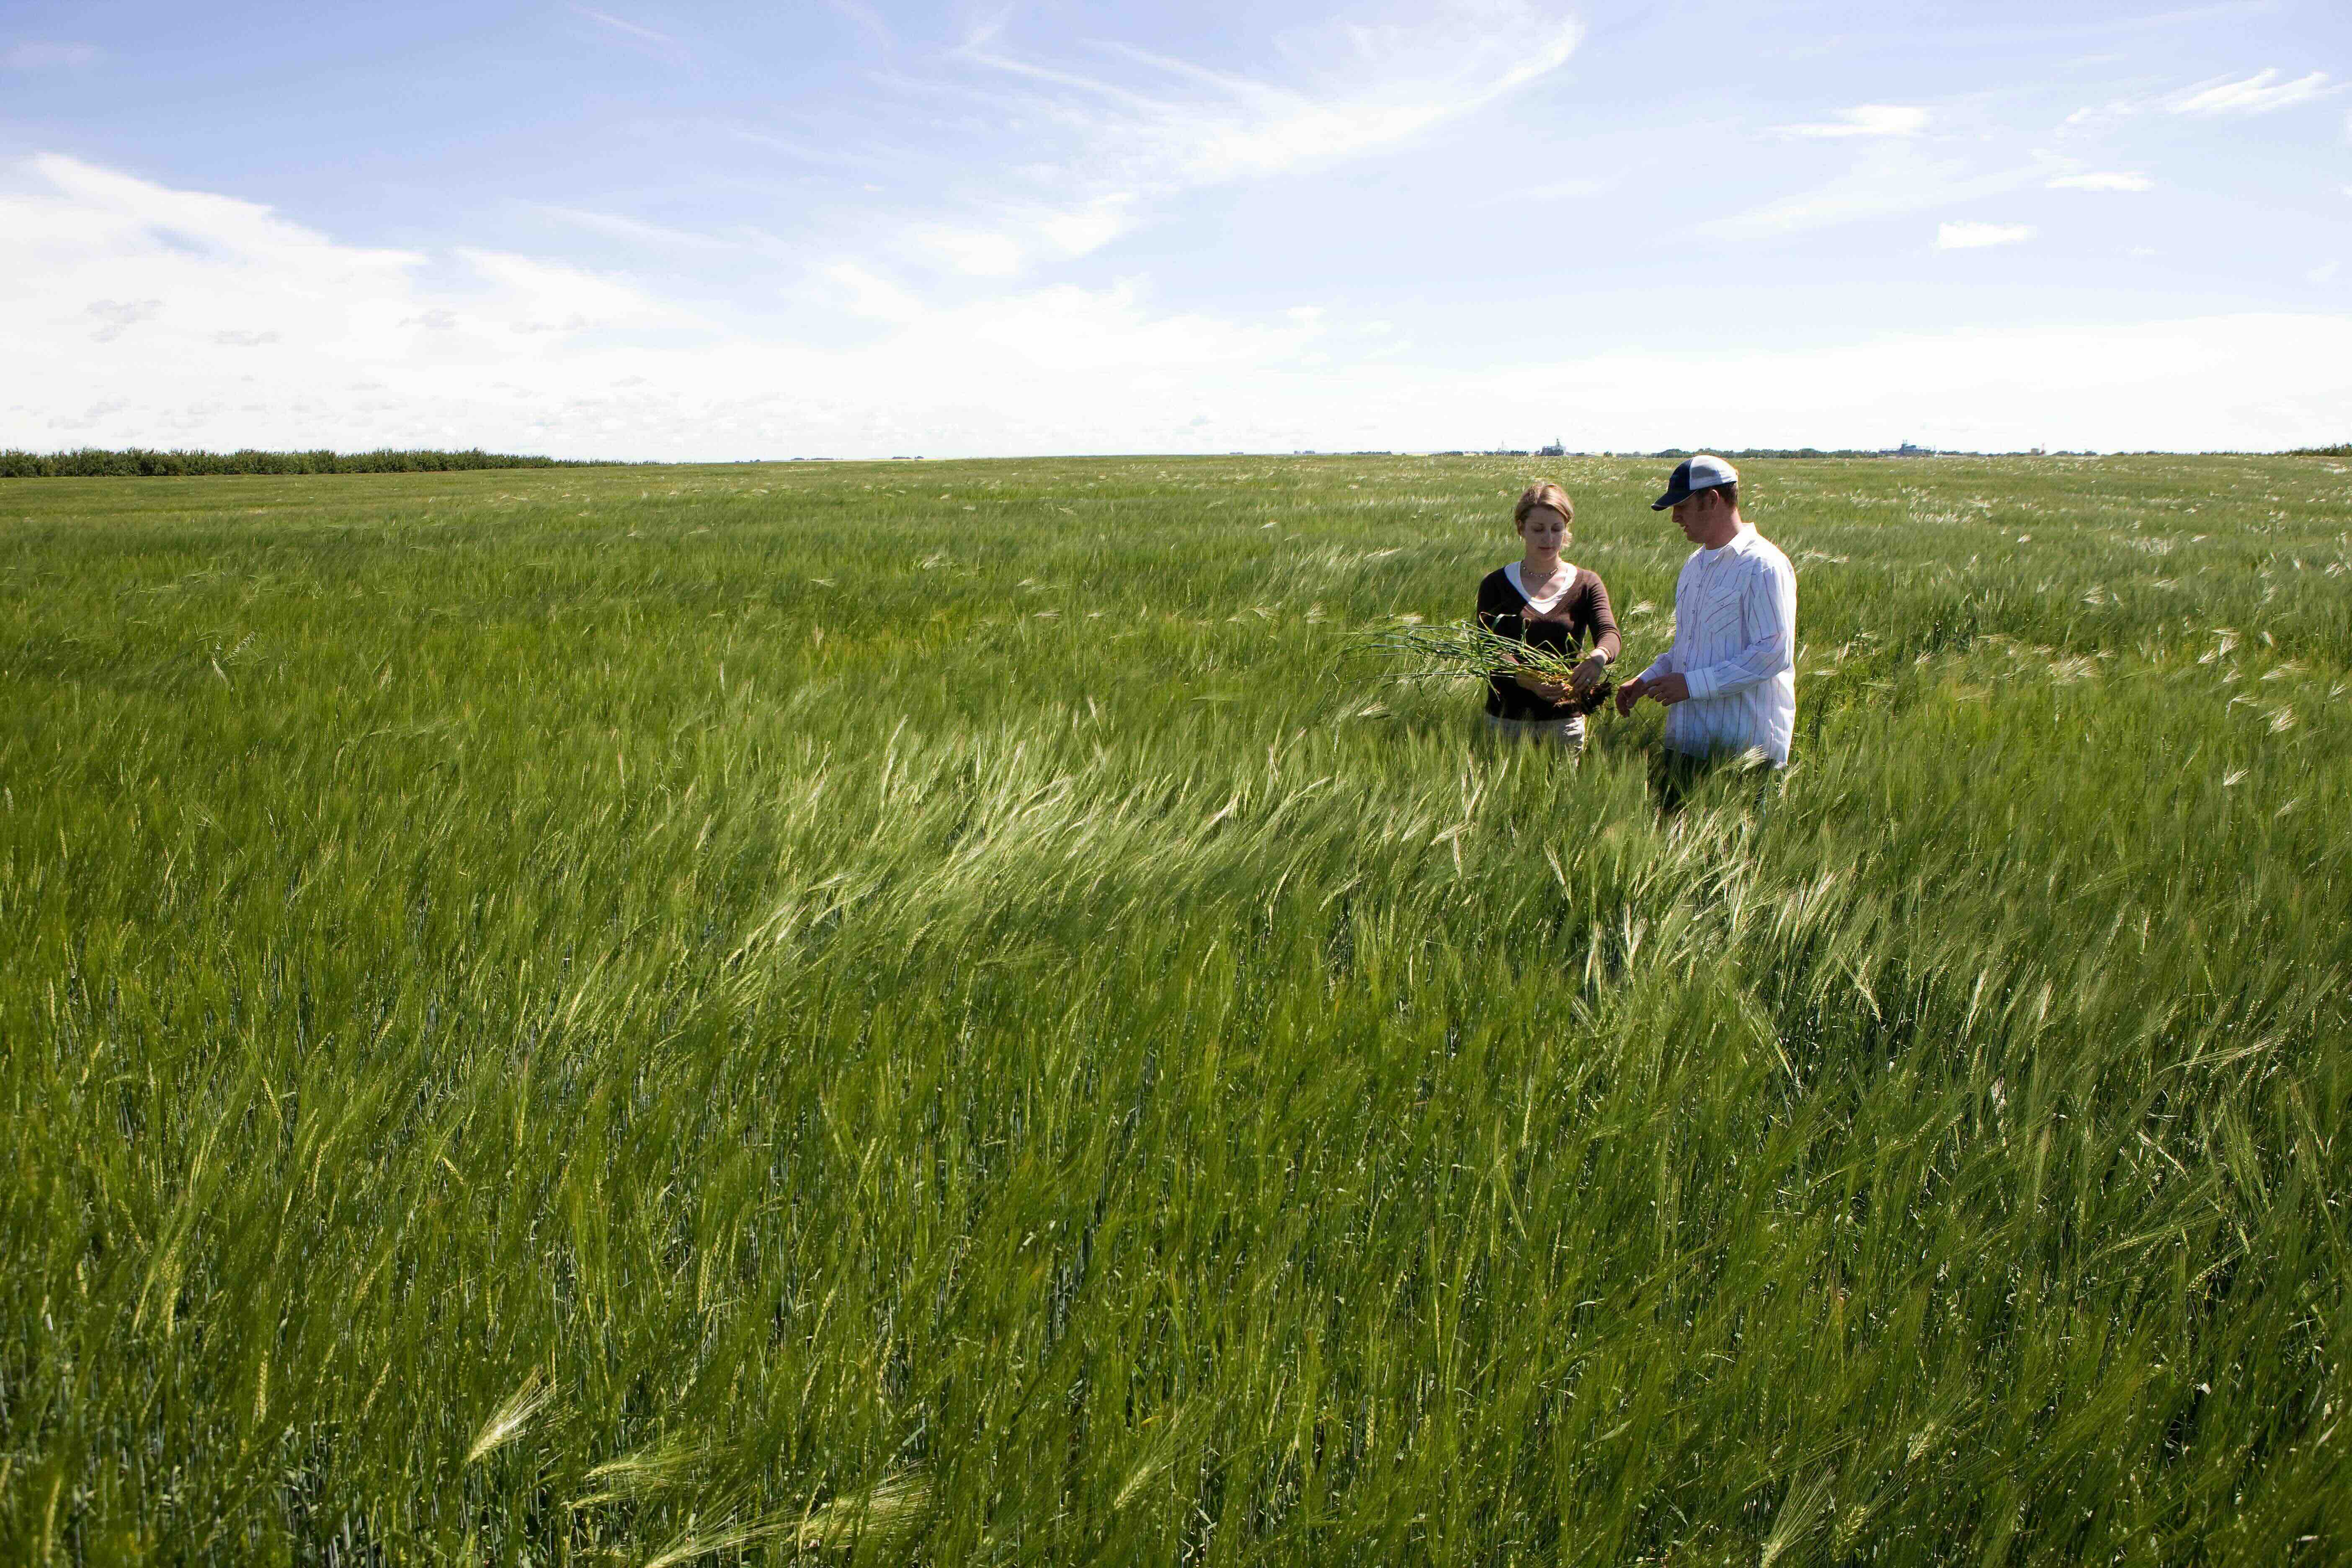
[[1464, 650]]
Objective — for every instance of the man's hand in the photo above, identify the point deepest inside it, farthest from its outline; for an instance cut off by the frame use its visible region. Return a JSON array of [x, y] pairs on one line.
[[1668, 690]]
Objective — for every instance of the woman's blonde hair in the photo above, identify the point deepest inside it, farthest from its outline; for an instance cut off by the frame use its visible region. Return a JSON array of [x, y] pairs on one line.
[[1543, 493]]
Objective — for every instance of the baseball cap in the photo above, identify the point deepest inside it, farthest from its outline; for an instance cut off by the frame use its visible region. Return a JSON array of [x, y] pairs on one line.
[[1703, 472]]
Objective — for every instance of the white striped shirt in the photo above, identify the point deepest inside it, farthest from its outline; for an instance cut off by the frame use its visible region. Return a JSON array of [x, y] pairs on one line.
[[1736, 644]]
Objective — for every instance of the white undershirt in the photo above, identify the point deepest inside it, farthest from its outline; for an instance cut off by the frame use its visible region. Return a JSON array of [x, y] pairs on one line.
[[1550, 602]]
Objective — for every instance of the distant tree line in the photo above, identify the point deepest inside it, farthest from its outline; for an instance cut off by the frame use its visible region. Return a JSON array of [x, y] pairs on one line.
[[139, 461], [2341, 450], [1749, 454]]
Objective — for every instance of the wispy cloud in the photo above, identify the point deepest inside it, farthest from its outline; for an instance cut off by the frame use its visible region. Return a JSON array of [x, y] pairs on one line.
[[1977, 236], [1889, 179], [2103, 182], [1868, 120], [1370, 88], [30, 57], [1084, 142], [877, 299], [982, 255], [1559, 191], [866, 19], [1080, 233], [538, 296], [2261, 93], [1142, 127], [660, 43], [617, 226]]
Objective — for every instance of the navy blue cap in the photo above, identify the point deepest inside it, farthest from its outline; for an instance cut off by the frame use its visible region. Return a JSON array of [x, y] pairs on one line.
[[1703, 472]]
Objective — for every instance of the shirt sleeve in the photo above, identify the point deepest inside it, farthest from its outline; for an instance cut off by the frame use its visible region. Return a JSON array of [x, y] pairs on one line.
[[1491, 605], [1768, 599], [1604, 620]]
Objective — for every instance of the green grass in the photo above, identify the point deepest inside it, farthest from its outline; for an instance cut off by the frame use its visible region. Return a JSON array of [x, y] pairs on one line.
[[889, 1012]]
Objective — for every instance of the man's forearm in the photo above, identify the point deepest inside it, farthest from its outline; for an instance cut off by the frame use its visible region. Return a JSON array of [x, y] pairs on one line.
[[1751, 666]]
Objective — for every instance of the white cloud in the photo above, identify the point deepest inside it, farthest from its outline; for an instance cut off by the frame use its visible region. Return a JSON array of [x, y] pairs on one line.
[[619, 226], [982, 255], [116, 317], [1888, 179], [2205, 383], [2323, 273], [176, 269], [192, 296], [2261, 93], [1171, 125], [242, 328], [1080, 155], [1976, 236], [1081, 233], [662, 43], [867, 20], [875, 297], [1560, 190], [535, 296], [47, 57], [1868, 120], [1080, 330], [2103, 182]]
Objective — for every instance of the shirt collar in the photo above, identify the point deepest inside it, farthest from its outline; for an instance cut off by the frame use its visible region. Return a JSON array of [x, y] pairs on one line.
[[1738, 545]]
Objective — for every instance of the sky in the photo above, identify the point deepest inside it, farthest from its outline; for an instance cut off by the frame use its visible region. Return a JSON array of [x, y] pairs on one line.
[[855, 229]]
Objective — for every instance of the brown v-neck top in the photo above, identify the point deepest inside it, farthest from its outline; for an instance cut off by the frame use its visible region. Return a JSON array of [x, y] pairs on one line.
[[1582, 614]]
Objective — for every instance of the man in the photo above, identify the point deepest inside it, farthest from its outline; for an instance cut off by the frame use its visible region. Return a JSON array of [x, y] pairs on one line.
[[1729, 681]]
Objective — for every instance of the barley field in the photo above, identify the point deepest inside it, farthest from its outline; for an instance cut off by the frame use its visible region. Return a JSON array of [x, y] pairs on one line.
[[932, 1013]]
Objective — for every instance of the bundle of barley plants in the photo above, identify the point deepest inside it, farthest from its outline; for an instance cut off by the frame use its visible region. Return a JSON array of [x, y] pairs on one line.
[[1464, 650]]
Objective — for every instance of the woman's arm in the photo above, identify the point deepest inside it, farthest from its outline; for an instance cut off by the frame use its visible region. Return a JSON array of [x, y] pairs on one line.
[[1603, 621], [1491, 604]]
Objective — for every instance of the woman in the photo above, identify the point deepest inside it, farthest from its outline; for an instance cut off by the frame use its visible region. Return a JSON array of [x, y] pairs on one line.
[[1547, 603]]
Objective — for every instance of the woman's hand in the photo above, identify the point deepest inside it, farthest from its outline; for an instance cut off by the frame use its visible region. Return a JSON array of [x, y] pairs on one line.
[[1549, 691], [1588, 674]]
